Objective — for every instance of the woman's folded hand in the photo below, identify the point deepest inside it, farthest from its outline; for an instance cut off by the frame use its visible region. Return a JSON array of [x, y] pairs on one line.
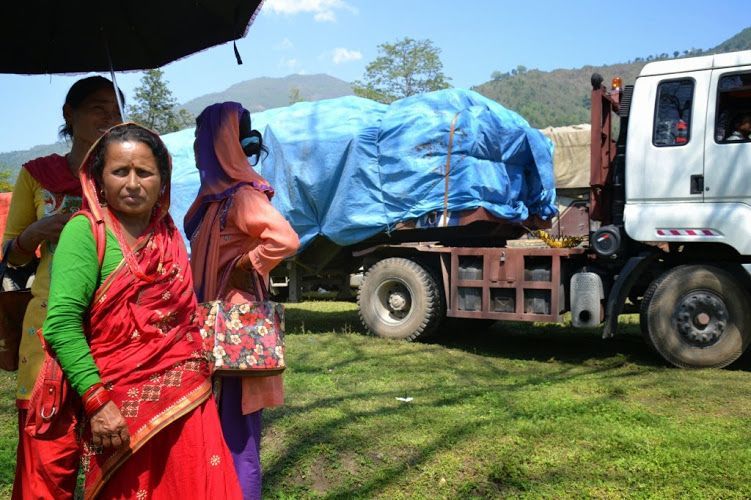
[[108, 427]]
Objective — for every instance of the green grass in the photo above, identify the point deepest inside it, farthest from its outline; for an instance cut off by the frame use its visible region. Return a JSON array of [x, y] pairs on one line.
[[520, 411]]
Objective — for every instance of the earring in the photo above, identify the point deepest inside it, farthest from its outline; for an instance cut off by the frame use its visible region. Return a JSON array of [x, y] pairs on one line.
[[102, 199]]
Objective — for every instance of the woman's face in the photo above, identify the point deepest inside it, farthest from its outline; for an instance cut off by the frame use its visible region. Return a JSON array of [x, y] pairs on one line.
[[96, 114], [130, 179]]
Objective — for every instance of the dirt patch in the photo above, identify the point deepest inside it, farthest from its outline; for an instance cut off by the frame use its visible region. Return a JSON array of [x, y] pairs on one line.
[[317, 475], [350, 463]]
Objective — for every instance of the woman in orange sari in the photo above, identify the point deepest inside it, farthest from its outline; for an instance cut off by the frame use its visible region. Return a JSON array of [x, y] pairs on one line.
[[233, 217], [153, 428]]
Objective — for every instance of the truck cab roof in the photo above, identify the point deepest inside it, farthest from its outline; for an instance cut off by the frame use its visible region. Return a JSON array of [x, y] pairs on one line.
[[728, 59]]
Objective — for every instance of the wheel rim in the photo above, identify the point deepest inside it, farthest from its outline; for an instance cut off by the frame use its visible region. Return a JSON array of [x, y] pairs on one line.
[[394, 301], [701, 318]]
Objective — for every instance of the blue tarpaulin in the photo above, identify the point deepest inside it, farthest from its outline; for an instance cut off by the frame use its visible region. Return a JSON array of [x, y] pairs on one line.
[[350, 168]]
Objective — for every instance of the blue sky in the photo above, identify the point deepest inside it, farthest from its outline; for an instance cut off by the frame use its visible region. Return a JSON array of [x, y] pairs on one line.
[[340, 37]]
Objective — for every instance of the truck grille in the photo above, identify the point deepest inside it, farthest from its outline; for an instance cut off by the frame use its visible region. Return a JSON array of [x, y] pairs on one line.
[[625, 104]]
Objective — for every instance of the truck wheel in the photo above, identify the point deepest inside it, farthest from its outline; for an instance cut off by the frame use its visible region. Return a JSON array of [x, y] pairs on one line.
[[643, 312], [399, 299], [698, 317]]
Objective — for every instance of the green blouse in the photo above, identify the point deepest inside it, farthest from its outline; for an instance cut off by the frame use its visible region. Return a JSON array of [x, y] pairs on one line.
[[75, 278]]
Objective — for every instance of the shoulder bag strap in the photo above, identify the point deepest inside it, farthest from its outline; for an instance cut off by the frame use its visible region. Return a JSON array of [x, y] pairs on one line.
[[97, 227]]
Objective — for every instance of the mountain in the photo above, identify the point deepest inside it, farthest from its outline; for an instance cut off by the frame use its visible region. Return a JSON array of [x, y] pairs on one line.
[[259, 94], [741, 41], [544, 98], [561, 97], [14, 159]]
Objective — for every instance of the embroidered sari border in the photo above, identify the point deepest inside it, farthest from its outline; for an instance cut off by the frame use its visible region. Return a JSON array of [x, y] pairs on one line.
[[141, 436]]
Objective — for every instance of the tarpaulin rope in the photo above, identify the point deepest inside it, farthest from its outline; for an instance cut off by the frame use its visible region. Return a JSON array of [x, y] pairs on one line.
[[448, 171]]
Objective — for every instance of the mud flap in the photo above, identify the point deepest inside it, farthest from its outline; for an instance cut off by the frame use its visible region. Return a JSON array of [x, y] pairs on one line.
[[621, 288]]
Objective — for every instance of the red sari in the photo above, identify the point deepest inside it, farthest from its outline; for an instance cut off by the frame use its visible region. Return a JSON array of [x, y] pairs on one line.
[[150, 358]]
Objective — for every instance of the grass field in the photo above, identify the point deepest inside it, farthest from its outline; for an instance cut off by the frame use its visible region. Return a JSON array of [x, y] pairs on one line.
[[514, 411]]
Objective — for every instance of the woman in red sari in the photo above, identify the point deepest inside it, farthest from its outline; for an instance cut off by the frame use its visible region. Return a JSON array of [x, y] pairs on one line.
[[152, 426]]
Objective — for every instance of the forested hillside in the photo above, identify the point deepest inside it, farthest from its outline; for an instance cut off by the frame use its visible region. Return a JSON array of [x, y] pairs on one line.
[[552, 98], [561, 97]]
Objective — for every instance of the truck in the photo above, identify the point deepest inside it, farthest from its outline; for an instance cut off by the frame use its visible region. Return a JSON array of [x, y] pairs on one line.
[[665, 231]]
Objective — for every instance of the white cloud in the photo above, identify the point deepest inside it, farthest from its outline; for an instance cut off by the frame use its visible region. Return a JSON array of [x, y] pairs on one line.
[[341, 55], [285, 44], [325, 16], [290, 64], [322, 10]]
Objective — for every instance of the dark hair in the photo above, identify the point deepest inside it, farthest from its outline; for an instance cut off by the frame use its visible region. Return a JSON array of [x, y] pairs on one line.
[[78, 93], [135, 133], [251, 141]]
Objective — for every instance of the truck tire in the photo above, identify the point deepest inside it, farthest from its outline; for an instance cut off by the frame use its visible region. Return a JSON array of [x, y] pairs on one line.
[[698, 317], [399, 299], [644, 309]]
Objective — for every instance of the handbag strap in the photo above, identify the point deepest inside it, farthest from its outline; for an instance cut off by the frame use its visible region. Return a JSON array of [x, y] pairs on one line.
[[258, 282], [100, 239]]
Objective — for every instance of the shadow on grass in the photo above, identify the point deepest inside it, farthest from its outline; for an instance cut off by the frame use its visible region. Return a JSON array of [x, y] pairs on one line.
[[548, 342], [369, 484], [312, 321], [511, 340]]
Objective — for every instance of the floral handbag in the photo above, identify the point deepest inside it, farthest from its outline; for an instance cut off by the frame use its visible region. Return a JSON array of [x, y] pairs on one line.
[[245, 339]]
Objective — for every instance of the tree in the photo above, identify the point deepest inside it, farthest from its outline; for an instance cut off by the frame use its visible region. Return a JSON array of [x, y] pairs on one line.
[[404, 68], [6, 178], [295, 95], [155, 107]]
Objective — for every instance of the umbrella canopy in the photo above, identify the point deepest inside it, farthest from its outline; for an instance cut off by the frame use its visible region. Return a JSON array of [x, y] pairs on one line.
[[60, 36]]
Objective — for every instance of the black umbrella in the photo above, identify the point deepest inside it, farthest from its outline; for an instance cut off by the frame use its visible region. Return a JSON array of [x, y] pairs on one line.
[[63, 36]]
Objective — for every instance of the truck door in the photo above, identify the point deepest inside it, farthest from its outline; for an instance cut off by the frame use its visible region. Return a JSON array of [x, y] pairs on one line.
[[727, 161], [665, 150]]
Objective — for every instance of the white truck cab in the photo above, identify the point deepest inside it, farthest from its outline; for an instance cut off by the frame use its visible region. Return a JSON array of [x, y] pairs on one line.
[[688, 172], [673, 195]]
